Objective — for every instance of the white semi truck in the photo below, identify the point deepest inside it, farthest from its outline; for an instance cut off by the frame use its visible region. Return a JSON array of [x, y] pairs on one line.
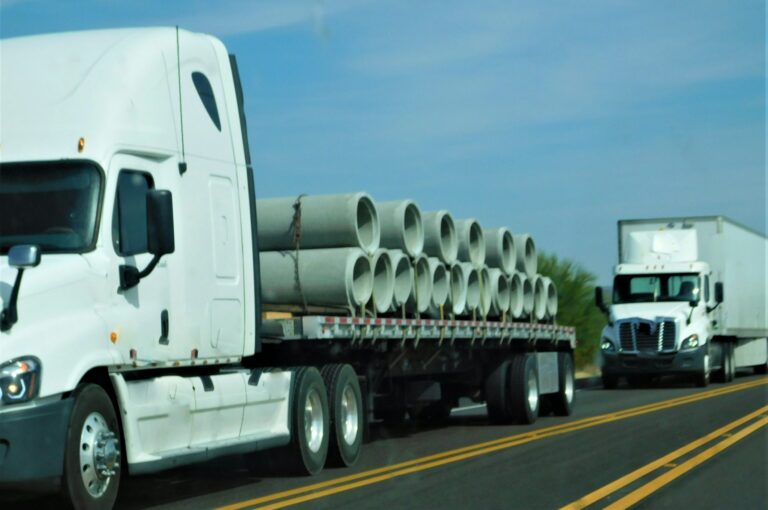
[[689, 298], [132, 337]]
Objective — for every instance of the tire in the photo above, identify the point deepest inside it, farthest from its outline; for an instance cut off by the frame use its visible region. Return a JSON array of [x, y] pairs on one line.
[[524, 389], [347, 416], [92, 458], [723, 373], [497, 394], [731, 362], [610, 382], [702, 378], [308, 449], [561, 402]]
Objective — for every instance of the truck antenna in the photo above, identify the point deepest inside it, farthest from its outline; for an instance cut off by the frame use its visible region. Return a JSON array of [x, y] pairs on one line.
[[183, 162]]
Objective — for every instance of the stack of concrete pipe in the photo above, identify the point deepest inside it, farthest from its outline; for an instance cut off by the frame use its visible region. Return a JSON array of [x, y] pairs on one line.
[[346, 252]]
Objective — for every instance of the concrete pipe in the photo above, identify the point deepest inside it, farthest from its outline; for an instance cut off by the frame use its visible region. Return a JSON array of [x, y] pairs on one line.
[[440, 287], [403, 271], [500, 249], [383, 281], [326, 221], [525, 250], [500, 295], [440, 236], [486, 292], [527, 286], [326, 277], [515, 296], [472, 284], [401, 226], [421, 286], [550, 291], [457, 297], [471, 242], [539, 298]]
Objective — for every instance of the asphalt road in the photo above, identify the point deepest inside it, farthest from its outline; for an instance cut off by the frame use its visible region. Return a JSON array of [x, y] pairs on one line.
[[702, 448]]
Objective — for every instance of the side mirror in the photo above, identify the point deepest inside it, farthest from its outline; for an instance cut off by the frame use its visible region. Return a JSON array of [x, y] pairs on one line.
[[24, 256], [599, 300], [719, 296], [160, 235]]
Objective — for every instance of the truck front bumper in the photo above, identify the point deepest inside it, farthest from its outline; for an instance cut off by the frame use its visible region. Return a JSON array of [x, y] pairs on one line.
[[32, 440], [687, 362]]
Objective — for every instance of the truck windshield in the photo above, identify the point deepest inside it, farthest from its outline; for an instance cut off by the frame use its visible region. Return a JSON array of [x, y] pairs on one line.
[[50, 204], [656, 287]]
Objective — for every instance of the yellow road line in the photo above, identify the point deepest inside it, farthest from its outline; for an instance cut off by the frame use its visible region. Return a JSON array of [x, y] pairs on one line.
[[665, 461], [429, 461], [657, 483]]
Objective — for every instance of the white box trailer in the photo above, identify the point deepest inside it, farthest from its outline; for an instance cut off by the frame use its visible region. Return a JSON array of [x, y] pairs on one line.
[[689, 297], [131, 336]]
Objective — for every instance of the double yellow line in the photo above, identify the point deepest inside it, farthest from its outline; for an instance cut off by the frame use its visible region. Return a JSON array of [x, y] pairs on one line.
[[668, 461], [323, 489]]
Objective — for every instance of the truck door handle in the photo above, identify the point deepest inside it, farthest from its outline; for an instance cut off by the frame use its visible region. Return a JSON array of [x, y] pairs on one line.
[[164, 327]]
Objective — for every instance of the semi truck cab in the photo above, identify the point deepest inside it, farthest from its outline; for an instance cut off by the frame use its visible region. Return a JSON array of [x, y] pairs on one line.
[[668, 314]]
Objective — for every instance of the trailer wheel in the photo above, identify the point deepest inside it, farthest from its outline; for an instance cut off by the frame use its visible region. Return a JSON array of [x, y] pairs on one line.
[[346, 414], [310, 423], [92, 451], [524, 388], [497, 394], [610, 382], [562, 401]]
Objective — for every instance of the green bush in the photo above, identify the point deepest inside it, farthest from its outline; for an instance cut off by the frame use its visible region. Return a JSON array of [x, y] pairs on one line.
[[576, 304]]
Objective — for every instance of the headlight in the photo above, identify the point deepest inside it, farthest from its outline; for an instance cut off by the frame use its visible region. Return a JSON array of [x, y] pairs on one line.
[[690, 342], [19, 380], [606, 345]]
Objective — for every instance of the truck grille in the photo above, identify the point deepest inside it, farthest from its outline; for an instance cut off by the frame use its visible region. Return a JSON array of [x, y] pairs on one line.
[[647, 336]]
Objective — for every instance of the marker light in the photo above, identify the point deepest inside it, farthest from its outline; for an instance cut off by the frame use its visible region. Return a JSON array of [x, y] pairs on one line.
[[19, 380], [81, 144]]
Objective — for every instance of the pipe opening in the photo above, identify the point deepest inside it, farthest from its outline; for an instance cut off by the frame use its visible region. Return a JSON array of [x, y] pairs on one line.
[[383, 283], [367, 225], [403, 276], [422, 284], [515, 296], [439, 285], [473, 288], [449, 245], [540, 299], [507, 251], [527, 296], [413, 233], [362, 281]]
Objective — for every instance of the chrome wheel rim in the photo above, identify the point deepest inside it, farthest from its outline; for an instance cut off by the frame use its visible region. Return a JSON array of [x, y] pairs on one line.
[[533, 391], [99, 455], [313, 420], [349, 414]]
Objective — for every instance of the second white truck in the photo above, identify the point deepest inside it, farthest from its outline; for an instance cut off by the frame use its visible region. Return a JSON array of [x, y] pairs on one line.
[[689, 298]]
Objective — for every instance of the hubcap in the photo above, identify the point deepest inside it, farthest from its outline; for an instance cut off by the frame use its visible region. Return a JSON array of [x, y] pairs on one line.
[[533, 391], [99, 454], [349, 415], [313, 420]]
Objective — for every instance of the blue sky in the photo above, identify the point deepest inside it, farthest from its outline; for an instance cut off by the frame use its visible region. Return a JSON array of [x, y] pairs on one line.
[[554, 118]]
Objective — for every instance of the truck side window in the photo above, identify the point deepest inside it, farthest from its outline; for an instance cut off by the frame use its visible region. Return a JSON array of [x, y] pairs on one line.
[[205, 91], [129, 221]]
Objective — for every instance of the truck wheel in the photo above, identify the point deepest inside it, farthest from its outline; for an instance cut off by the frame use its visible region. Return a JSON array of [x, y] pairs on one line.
[[346, 414], [524, 389], [562, 401], [309, 423], [724, 373], [92, 451], [731, 362], [610, 382], [497, 394], [702, 378]]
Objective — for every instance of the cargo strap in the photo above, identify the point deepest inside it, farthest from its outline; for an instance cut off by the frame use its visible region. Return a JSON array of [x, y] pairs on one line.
[[296, 228]]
